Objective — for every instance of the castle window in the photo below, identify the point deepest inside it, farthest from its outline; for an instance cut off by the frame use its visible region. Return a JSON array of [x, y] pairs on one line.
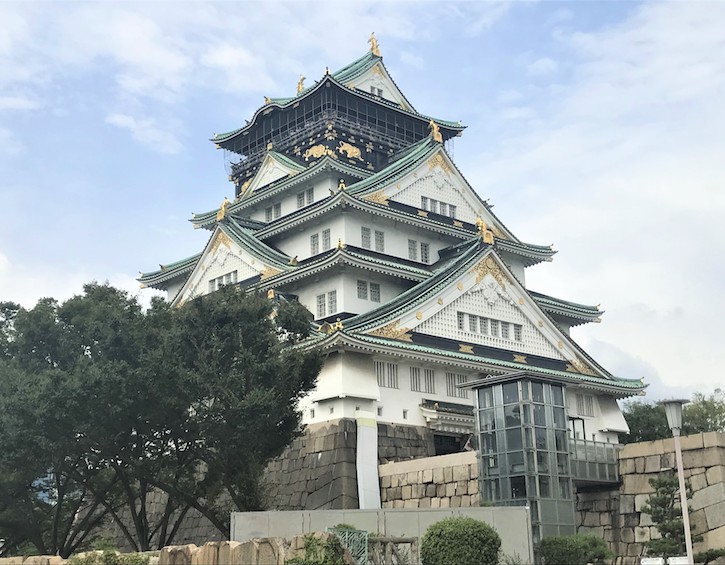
[[218, 282], [429, 381], [405, 414], [380, 374], [300, 200], [310, 195], [412, 250], [472, 323], [452, 211], [425, 253], [326, 240], [585, 405], [321, 303], [380, 410], [314, 244], [494, 328], [374, 292], [365, 238], [375, 91], [484, 326], [332, 301], [415, 379], [424, 203], [379, 241], [505, 330], [392, 375], [452, 380], [517, 332], [362, 290], [273, 212], [461, 321]]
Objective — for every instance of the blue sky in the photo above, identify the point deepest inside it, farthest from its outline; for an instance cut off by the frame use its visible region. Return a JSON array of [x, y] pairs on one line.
[[596, 126]]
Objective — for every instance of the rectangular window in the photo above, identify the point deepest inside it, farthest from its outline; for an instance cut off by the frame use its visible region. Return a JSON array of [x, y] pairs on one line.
[[380, 374], [444, 209], [412, 250], [505, 330], [425, 253], [379, 241], [494, 328], [332, 301], [453, 379], [268, 214], [461, 321], [301, 200], [326, 240], [517, 332], [415, 379], [374, 292], [310, 195], [277, 210], [452, 211], [362, 290], [472, 323], [405, 414], [380, 410], [212, 285], [321, 313], [429, 380], [314, 244], [392, 375], [585, 404], [424, 203], [365, 237], [434, 206], [484, 326]]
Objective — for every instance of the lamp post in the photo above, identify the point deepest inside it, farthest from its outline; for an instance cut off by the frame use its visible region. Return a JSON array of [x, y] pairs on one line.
[[673, 410]]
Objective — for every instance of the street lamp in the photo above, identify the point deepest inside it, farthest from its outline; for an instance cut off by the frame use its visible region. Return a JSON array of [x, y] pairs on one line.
[[673, 410]]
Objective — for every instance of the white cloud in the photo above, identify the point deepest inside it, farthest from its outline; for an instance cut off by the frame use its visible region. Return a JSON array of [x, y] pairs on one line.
[[17, 103], [542, 66], [147, 132]]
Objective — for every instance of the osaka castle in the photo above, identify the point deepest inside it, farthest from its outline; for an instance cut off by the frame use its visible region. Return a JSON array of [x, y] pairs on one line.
[[347, 200]]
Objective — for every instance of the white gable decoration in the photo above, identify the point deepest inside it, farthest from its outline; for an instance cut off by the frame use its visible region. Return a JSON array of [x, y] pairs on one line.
[[271, 169], [378, 78]]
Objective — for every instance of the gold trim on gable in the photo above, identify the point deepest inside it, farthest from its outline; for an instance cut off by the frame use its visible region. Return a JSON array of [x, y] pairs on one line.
[[578, 366], [221, 239], [393, 331], [488, 266], [438, 161], [520, 359], [463, 348], [377, 197]]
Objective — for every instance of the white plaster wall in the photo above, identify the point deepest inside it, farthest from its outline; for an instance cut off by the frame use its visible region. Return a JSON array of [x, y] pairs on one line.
[[607, 416], [389, 288], [516, 265], [296, 242], [321, 185], [327, 281]]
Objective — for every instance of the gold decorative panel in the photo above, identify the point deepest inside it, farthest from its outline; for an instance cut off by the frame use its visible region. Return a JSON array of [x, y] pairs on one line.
[[393, 331], [488, 266]]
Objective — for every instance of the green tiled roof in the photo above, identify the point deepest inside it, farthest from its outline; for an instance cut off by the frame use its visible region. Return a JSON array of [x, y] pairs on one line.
[[566, 308], [169, 271], [245, 238]]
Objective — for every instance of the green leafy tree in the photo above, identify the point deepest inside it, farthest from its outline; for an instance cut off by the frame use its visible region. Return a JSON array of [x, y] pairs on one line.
[[647, 422], [578, 549], [666, 513], [460, 540], [705, 413]]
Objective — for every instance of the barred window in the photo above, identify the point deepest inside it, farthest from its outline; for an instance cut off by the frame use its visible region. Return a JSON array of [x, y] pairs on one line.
[[484, 326], [505, 330], [412, 250], [444, 209], [585, 405], [300, 200], [325, 240], [453, 379], [277, 210], [380, 373], [321, 313], [461, 321], [310, 195], [365, 237], [392, 375], [452, 211], [332, 301], [425, 252], [472, 323], [362, 290], [429, 380], [314, 244], [374, 292], [379, 241], [424, 203], [268, 212], [517, 332], [415, 379], [494, 328]]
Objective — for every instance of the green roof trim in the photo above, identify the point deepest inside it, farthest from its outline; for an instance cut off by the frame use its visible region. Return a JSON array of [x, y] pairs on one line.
[[556, 306], [169, 271], [245, 238]]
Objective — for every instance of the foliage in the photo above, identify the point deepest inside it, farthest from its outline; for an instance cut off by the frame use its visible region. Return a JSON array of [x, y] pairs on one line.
[[110, 558], [512, 559], [321, 552], [706, 557], [101, 402], [666, 514], [578, 549], [647, 421], [460, 540]]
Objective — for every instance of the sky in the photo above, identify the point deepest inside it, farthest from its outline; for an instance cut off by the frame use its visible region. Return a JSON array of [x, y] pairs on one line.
[[595, 126]]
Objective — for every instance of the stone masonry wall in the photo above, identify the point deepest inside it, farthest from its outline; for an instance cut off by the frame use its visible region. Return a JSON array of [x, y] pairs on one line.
[[446, 481], [398, 443], [616, 514], [317, 471]]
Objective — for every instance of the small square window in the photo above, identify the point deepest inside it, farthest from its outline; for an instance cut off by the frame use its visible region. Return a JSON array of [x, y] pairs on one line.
[[405, 414], [365, 237], [374, 292], [326, 240], [314, 244], [425, 253], [379, 241], [380, 410], [362, 290]]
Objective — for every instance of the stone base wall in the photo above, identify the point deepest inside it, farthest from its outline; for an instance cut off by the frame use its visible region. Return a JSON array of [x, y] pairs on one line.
[[617, 514], [445, 481], [317, 471], [399, 443]]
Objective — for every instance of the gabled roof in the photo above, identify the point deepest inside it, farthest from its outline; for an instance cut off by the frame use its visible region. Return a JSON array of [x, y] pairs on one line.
[[168, 272], [451, 127], [578, 313], [273, 167]]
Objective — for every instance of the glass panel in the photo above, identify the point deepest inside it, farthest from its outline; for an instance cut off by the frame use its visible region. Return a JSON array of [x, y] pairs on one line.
[[537, 392], [485, 397], [559, 418], [525, 390], [510, 393], [518, 487], [544, 486], [560, 437], [526, 413], [540, 435], [542, 461], [530, 461], [488, 443], [486, 420], [557, 395], [561, 463], [528, 437], [516, 462], [539, 415], [513, 439], [564, 489], [534, 506], [512, 415]]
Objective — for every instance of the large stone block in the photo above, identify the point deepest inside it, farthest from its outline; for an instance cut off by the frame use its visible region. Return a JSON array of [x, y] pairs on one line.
[[714, 539], [640, 500], [448, 474], [636, 484], [462, 487], [450, 489], [715, 475], [652, 464], [226, 552], [641, 534], [698, 521], [626, 503], [438, 476], [708, 496], [177, 554], [460, 473], [707, 457], [207, 554], [715, 515]]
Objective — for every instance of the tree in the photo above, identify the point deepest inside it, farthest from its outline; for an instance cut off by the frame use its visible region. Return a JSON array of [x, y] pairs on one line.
[[666, 514], [194, 401], [705, 413]]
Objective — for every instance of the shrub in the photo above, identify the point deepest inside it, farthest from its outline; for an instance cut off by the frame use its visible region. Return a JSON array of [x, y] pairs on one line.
[[328, 551], [706, 557], [110, 558], [462, 541], [573, 550]]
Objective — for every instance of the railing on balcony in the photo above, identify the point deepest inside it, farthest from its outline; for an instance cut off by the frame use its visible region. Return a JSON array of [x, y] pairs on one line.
[[593, 461]]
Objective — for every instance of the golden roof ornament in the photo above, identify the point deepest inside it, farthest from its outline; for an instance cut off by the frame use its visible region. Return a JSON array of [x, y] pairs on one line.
[[435, 132], [485, 233], [267, 100], [340, 244], [374, 46], [270, 293], [337, 325], [223, 210], [301, 84], [293, 261], [270, 146], [342, 185]]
